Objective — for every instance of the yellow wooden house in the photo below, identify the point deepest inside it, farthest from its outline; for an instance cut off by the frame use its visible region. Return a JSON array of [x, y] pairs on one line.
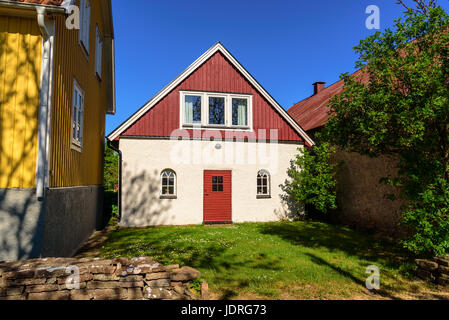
[[56, 87]]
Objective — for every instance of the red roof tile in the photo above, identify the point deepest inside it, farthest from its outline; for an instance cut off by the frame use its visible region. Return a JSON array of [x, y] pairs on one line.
[[312, 112], [46, 2]]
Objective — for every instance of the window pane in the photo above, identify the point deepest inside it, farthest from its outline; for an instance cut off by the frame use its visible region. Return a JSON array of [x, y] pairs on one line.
[[220, 188], [217, 111], [214, 179], [239, 112], [192, 113], [172, 190], [220, 179], [214, 188]]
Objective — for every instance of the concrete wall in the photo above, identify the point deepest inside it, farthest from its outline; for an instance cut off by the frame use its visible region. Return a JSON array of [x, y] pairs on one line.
[[144, 160], [72, 215], [54, 228], [21, 224], [362, 199]]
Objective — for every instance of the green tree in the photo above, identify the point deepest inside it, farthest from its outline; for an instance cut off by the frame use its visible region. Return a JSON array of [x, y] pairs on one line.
[[110, 169], [399, 104], [312, 178]]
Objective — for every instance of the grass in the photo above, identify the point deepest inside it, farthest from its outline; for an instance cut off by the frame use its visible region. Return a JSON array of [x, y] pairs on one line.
[[284, 260]]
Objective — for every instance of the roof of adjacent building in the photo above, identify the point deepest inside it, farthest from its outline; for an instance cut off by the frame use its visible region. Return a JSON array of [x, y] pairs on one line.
[[45, 2], [313, 112]]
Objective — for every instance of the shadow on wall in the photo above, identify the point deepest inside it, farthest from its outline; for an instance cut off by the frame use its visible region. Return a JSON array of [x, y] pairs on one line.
[[21, 215], [292, 209], [142, 206]]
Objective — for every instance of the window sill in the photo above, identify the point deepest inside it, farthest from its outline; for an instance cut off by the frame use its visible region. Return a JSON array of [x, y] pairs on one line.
[[165, 197], [74, 146], [84, 50], [261, 196], [216, 127]]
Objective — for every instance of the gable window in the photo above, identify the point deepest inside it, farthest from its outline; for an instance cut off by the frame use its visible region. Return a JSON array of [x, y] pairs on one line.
[[85, 24], [98, 53], [263, 184], [77, 116], [216, 110], [192, 109], [239, 112], [168, 187]]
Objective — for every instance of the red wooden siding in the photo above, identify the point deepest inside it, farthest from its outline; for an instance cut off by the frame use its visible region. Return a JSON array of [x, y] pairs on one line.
[[217, 204], [217, 75]]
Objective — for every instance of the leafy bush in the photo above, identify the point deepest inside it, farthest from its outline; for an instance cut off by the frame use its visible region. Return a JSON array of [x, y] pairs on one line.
[[312, 178]]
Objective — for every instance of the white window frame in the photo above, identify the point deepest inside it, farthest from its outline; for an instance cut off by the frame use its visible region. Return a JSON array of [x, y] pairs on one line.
[[268, 175], [175, 187], [98, 53], [76, 144], [205, 110], [84, 33]]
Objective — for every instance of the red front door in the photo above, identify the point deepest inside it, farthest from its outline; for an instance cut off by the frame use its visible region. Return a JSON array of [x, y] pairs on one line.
[[217, 202]]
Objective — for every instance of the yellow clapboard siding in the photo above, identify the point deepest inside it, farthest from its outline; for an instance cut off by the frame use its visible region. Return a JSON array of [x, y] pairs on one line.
[[20, 61], [71, 168]]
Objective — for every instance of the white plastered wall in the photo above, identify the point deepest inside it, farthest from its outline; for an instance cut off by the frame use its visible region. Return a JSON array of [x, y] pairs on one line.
[[145, 159]]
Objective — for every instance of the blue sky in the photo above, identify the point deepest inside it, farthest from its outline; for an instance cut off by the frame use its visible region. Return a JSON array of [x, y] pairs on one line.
[[285, 45]]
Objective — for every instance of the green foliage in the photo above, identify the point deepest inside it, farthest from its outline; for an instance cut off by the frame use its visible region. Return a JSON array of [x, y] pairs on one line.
[[196, 285], [111, 160], [399, 104], [312, 178]]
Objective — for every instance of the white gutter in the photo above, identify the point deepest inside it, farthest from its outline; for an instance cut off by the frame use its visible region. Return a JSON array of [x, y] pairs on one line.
[[47, 28]]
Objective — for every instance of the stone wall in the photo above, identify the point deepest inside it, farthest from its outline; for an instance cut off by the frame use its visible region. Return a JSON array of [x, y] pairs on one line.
[[435, 270], [95, 279], [362, 199]]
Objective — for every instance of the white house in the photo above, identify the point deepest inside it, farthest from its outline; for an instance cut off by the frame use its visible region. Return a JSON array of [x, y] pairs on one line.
[[212, 147]]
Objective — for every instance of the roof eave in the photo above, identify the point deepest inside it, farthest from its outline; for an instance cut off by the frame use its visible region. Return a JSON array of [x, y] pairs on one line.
[[25, 9]]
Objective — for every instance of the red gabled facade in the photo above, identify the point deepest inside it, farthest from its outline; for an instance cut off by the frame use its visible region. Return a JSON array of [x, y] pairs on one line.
[[217, 74]]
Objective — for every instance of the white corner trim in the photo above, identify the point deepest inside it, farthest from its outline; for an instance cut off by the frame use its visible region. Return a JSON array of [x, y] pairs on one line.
[[194, 66], [47, 27]]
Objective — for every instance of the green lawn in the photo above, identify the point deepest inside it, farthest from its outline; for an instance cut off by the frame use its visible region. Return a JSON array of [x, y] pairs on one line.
[[298, 260]]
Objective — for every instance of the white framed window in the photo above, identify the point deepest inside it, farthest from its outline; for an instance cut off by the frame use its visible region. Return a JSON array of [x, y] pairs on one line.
[[263, 184], [168, 184], [77, 117], [84, 34], [98, 53], [220, 111]]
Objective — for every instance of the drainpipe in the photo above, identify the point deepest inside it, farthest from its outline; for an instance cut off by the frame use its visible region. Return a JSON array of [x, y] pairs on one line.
[[110, 145], [45, 94]]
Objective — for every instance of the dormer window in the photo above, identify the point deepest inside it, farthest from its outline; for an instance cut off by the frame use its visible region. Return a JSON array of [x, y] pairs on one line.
[[216, 110]]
